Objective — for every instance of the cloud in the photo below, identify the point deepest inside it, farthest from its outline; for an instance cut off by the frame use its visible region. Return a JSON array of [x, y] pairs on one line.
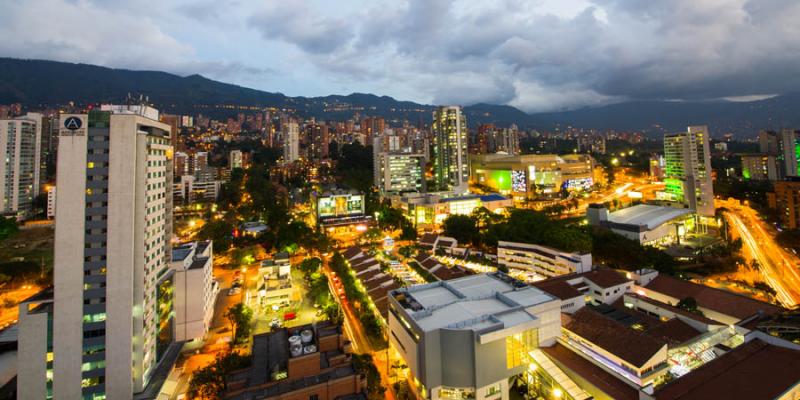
[[297, 25], [539, 56]]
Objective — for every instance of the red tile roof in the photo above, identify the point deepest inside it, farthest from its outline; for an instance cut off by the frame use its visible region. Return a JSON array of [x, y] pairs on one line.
[[351, 252], [626, 343], [754, 370], [673, 331], [605, 278], [558, 288], [718, 300], [609, 384]]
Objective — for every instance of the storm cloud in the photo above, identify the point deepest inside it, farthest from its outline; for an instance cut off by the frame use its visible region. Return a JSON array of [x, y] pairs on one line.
[[537, 55]]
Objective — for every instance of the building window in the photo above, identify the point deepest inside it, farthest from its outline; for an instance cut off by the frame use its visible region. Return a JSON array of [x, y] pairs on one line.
[[519, 345], [492, 390], [313, 397]]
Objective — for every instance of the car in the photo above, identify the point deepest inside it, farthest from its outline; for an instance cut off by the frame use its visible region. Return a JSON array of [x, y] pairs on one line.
[[234, 291]]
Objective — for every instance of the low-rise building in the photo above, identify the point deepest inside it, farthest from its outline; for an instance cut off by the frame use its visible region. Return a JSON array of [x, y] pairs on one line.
[[426, 210], [644, 223], [51, 202], [541, 262], [530, 175], [189, 189], [275, 280], [195, 289], [464, 338], [306, 362]]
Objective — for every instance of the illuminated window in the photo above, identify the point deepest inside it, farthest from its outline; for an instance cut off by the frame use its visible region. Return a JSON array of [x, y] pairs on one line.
[[90, 165], [519, 345]]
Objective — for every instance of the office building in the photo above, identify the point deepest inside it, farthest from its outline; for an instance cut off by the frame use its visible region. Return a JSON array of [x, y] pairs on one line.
[[304, 362], [532, 175], [464, 338], [787, 201], [450, 158], [396, 172], [687, 170], [20, 148], [759, 167], [111, 323], [235, 159], [195, 289], [540, 262], [291, 142]]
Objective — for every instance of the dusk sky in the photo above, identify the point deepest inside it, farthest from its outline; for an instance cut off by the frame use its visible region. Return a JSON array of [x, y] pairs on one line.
[[537, 55]]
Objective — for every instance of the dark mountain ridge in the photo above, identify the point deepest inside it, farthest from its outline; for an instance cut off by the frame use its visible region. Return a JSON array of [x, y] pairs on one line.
[[39, 84]]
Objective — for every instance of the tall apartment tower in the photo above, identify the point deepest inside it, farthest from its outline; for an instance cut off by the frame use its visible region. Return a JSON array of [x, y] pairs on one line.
[[291, 141], [111, 321], [20, 149], [687, 171], [450, 162], [788, 151]]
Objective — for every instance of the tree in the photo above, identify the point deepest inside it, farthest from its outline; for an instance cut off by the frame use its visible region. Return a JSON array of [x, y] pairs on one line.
[[210, 381], [463, 228], [309, 265], [8, 227], [688, 304], [239, 317], [364, 365]]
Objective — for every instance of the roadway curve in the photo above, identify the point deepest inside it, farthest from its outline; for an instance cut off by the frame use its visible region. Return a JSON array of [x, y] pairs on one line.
[[776, 265]]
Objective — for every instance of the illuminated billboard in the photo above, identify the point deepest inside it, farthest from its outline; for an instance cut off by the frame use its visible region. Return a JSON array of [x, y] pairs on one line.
[[500, 180], [519, 181], [340, 205]]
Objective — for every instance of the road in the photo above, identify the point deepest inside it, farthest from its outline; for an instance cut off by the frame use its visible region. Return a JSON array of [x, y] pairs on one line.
[[778, 267], [355, 331]]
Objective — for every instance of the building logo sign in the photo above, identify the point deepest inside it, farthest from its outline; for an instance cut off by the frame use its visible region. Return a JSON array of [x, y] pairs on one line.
[[73, 123]]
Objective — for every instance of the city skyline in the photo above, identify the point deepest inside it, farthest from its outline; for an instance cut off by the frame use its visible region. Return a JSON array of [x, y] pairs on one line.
[[544, 56]]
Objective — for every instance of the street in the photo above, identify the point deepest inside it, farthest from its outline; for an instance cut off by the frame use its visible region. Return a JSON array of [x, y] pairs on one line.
[[777, 266]]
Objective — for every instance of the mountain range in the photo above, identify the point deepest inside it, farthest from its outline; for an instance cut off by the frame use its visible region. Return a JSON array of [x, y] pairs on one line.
[[41, 84]]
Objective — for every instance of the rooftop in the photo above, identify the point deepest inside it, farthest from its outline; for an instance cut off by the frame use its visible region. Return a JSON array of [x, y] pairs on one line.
[[647, 215], [474, 302], [754, 370], [633, 346], [714, 299], [608, 383]]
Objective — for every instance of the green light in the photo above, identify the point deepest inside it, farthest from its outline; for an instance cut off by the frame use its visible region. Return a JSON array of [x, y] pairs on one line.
[[500, 180]]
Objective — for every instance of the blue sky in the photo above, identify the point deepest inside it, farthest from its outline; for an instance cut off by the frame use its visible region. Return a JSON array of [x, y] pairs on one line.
[[536, 55]]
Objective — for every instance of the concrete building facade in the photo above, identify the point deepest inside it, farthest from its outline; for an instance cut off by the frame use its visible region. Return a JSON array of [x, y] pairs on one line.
[[111, 251]]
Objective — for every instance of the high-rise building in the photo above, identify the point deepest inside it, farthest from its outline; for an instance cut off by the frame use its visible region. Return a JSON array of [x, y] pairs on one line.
[[759, 167], [789, 151], [687, 171], [235, 159], [181, 163], [200, 164], [111, 322], [450, 158], [20, 149], [399, 172], [291, 141], [319, 141], [787, 199]]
